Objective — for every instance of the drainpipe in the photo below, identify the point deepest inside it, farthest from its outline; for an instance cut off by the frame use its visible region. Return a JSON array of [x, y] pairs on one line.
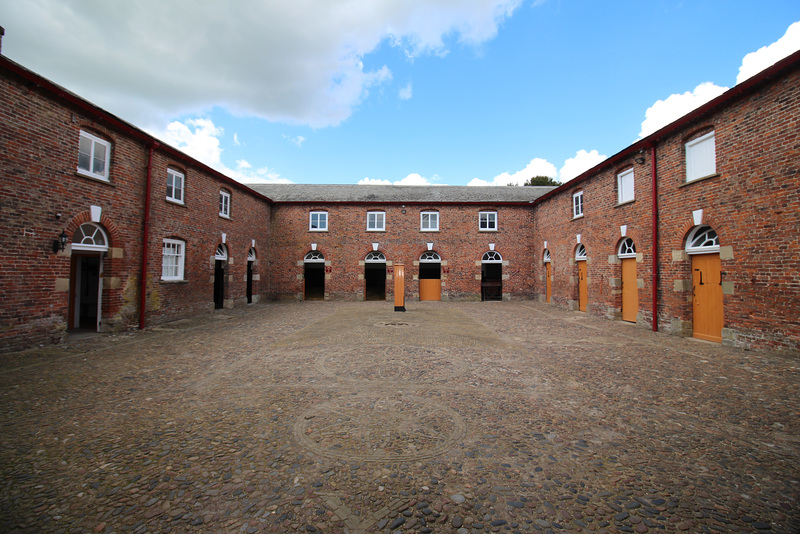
[[146, 235], [655, 236]]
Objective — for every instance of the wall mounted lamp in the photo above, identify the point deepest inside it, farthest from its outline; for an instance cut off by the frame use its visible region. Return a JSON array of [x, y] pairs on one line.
[[61, 243], [639, 157]]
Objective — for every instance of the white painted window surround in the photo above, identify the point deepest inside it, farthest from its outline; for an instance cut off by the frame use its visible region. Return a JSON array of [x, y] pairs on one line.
[[701, 157], [173, 259], [93, 156]]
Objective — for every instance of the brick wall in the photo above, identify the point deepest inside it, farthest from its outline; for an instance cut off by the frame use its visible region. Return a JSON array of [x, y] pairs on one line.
[[752, 202], [42, 194], [459, 242]]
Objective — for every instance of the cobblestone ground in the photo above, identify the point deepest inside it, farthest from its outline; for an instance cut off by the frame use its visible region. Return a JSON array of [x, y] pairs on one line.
[[351, 418]]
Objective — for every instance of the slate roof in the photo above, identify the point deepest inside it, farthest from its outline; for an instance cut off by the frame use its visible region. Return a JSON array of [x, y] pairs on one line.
[[433, 194]]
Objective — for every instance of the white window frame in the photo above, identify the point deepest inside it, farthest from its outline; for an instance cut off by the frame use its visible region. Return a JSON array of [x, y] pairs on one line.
[[701, 157], [321, 217], [90, 170], [491, 256], [224, 204], [376, 221], [626, 249], [577, 204], [314, 256], [625, 186], [432, 223], [487, 221], [90, 236], [580, 253], [173, 259], [175, 193], [702, 240]]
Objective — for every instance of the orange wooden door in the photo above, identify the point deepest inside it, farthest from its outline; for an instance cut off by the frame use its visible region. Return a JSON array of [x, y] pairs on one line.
[[707, 297], [548, 278], [583, 286], [430, 289], [630, 290]]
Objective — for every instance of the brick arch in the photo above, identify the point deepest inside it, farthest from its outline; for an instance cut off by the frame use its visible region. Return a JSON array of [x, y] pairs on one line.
[[97, 130], [718, 225], [380, 249], [108, 224], [627, 235]]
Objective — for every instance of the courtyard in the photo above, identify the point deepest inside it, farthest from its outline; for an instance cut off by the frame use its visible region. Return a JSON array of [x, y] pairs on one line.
[[348, 417]]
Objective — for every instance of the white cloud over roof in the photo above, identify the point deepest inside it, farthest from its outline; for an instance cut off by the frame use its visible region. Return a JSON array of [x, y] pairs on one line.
[[766, 56], [297, 61], [578, 164], [536, 167]]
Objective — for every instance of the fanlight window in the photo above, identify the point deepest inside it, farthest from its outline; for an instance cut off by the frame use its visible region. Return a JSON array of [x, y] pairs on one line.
[[375, 257], [251, 255], [580, 253], [547, 258], [430, 257], [702, 240], [314, 256], [89, 236], [492, 256], [627, 249], [222, 252]]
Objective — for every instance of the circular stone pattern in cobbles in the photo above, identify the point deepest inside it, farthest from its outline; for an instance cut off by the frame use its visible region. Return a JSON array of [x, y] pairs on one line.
[[390, 363], [377, 428]]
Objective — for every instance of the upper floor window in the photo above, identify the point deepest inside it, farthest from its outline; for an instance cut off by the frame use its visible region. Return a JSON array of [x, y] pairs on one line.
[[625, 186], [224, 204], [701, 157], [93, 156], [487, 221], [173, 257], [175, 186], [429, 221], [376, 221], [577, 204], [318, 221]]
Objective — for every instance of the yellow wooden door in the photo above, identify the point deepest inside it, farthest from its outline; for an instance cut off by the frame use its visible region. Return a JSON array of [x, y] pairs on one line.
[[583, 286], [430, 289], [630, 290], [548, 277], [707, 297]]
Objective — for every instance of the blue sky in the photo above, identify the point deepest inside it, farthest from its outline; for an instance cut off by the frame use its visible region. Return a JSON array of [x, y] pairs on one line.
[[449, 92]]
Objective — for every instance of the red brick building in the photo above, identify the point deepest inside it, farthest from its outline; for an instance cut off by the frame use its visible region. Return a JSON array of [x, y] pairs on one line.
[[456, 243], [696, 226], [90, 204]]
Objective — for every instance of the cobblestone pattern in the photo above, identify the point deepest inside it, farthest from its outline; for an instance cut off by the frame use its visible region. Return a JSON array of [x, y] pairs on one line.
[[329, 417]]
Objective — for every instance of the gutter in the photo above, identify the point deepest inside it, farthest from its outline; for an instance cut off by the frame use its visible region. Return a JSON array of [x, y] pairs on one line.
[[654, 236], [146, 234]]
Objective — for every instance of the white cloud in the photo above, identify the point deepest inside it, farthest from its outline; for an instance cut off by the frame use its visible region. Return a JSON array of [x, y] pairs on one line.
[[200, 138], [298, 62], [411, 179], [766, 56], [298, 140], [581, 162], [406, 92], [676, 106], [536, 167], [236, 139]]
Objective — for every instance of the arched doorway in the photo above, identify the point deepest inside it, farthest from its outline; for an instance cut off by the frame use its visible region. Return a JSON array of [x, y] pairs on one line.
[[375, 276], [626, 252], [251, 261], [430, 276], [220, 261], [583, 278], [89, 245], [548, 276], [492, 276], [702, 245], [314, 276]]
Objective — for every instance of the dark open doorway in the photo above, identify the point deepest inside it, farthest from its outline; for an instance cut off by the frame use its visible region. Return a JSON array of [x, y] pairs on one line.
[[219, 284], [492, 281], [374, 281], [314, 275], [85, 294]]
